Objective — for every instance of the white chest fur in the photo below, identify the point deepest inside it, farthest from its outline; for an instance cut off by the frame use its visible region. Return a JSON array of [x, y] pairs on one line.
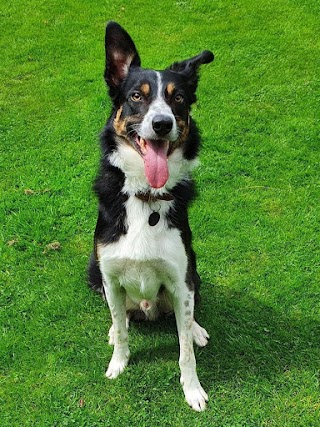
[[147, 256]]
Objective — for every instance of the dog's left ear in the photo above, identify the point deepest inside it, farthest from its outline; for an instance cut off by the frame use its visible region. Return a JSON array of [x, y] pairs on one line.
[[121, 54], [190, 67]]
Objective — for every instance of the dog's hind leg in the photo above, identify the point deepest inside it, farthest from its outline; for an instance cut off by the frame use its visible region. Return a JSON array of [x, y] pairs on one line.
[[94, 275], [200, 335]]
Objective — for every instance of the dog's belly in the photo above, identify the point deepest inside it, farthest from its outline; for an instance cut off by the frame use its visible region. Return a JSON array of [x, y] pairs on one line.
[[141, 279], [144, 259]]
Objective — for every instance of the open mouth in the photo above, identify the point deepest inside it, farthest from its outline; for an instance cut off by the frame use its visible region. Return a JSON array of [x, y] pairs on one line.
[[155, 157]]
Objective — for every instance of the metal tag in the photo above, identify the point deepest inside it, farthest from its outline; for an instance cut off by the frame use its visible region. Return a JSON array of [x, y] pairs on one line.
[[154, 219]]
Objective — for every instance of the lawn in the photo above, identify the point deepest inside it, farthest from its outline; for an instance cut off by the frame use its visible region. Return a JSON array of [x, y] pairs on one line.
[[256, 221]]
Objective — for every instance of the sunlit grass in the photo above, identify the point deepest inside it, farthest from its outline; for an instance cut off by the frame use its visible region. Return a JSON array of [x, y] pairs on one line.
[[255, 222]]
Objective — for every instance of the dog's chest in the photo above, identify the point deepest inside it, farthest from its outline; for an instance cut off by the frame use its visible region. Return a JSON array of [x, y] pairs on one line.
[[146, 257]]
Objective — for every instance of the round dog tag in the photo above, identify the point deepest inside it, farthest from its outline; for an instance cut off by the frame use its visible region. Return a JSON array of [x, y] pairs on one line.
[[154, 218]]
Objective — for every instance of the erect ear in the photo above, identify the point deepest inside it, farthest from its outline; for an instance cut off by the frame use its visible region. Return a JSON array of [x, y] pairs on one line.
[[189, 68], [121, 54]]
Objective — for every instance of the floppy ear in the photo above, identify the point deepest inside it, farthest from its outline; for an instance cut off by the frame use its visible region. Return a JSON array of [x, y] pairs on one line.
[[190, 67], [121, 54]]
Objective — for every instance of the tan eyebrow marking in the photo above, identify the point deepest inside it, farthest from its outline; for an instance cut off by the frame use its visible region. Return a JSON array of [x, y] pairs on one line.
[[170, 88], [145, 89]]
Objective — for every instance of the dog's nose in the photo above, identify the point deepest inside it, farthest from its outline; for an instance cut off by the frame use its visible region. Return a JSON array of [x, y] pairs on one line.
[[162, 124]]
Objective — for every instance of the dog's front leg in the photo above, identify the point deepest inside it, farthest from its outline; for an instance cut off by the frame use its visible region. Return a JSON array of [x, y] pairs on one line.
[[116, 298], [183, 308]]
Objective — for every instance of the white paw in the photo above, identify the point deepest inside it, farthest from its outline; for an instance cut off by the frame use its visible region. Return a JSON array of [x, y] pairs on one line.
[[116, 367], [200, 335], [196, 397]]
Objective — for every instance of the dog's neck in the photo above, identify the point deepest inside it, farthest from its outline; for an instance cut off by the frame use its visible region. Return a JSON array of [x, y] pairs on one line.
[[150, 198]]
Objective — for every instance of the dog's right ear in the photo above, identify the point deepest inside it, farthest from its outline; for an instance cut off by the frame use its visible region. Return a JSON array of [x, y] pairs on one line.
[[121, 54], [190, 68]]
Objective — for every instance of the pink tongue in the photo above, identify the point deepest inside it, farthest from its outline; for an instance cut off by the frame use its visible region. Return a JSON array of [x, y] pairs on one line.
[[155, 163]]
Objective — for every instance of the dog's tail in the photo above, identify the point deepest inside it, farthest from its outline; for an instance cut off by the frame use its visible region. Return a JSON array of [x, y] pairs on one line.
[[94, 275]]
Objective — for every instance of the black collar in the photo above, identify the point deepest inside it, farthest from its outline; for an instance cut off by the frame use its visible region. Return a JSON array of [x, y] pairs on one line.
[[149, 197]]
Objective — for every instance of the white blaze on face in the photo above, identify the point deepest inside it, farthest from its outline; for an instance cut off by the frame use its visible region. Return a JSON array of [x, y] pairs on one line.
[[154, 148], [158, 106]]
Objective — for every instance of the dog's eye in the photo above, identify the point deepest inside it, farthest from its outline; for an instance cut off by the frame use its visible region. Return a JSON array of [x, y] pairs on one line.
[[179, 98], [136, 97]]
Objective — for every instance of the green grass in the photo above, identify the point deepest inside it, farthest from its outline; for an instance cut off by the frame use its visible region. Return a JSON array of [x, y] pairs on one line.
[[256, 222]]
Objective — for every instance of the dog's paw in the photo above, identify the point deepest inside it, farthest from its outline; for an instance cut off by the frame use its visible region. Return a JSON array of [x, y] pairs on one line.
[[200, 335], [196, 397], [116, 367]]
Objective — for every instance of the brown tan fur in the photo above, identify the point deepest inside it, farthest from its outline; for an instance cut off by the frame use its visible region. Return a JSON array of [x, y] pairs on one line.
[[170, 88], [145, 89], [120, 124], [184, 130]]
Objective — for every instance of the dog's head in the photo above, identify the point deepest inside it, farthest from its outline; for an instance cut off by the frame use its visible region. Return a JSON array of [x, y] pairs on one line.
[[151, 107]]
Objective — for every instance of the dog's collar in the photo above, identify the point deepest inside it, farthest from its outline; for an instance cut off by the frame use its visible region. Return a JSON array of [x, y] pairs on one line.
[[150, 198]]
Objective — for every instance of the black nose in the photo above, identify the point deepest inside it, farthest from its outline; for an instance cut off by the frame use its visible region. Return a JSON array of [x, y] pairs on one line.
[[162, 124]]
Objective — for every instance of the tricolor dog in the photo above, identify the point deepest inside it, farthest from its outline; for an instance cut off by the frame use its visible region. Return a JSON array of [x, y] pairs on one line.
[[143, 260]]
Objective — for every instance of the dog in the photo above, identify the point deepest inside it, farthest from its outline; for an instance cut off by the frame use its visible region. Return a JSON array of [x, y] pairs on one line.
[[143, 262]]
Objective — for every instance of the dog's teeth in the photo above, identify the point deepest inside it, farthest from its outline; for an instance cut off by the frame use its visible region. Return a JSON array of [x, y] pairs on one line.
[[142, 144]]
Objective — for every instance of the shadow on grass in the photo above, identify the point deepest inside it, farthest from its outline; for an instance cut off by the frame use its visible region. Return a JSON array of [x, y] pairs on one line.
[[248, 338]]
